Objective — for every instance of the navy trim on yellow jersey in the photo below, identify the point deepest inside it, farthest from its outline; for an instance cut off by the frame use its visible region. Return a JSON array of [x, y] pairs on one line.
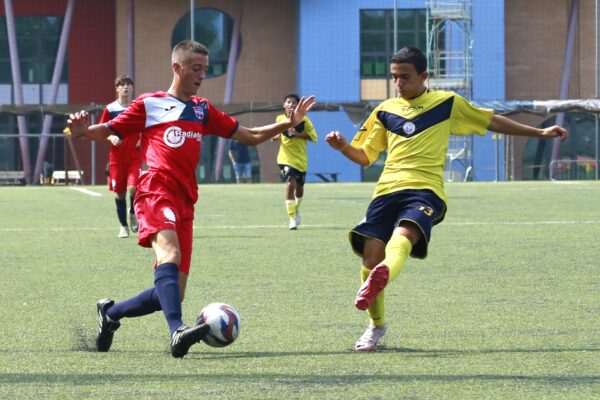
[[407, 128]]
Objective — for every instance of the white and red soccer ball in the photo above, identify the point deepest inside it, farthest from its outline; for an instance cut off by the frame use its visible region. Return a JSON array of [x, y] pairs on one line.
[[224, 322]]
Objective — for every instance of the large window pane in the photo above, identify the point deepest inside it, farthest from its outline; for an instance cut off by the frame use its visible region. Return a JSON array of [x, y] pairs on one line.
[[214, 30], [37, 41], [372, 42], [372, 19], [377, 37]]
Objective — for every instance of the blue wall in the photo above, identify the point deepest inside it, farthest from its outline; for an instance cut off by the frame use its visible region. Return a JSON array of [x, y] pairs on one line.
[[329, 67], [488, 82]]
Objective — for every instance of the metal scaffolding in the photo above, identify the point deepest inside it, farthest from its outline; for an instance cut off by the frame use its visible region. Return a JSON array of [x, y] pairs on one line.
[[450, 59]]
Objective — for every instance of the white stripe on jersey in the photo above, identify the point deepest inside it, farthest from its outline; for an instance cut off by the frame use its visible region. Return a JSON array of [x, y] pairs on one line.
[[162, 109], [115, 106]]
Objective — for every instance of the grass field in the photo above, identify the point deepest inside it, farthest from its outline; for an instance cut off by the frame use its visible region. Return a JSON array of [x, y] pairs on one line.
[[507, 306]]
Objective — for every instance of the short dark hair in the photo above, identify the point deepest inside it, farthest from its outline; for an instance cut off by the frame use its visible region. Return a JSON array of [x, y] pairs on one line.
[[179, 51], [123, 80], [411, 55], [292, 96]]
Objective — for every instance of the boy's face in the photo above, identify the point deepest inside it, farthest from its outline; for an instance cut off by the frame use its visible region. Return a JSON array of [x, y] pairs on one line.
[[191, 73], [408, 82], [289, 105], [124, 89]]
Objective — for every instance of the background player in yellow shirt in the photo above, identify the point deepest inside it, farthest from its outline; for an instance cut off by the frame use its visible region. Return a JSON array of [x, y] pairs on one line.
[[293, 159], [409, 197]]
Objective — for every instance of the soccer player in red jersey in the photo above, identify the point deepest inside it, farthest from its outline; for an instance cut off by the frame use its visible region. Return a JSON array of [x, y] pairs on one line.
[[124, 159], [172, 125]]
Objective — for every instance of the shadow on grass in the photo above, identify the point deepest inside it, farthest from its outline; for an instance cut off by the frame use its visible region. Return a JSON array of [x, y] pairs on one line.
[[87, 344], [289, 379], [467, 352]]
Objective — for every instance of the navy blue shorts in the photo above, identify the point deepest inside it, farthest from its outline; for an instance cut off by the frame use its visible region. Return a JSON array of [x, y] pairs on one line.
[[422, 207], [288, 172]]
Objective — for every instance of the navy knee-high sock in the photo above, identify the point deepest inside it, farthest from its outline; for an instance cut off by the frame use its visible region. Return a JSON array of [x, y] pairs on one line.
[[121, 211], [131, 198], [143, 303], [167, 286]]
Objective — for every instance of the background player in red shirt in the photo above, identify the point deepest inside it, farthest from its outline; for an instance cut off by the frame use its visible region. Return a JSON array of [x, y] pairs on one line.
[[124, 159], [172, 125]]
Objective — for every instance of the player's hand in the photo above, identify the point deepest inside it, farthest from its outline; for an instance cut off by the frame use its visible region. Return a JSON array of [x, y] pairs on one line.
[[114, 140], [304, 106], [79, 123], [336, 140], [555, 131], [276, 138]]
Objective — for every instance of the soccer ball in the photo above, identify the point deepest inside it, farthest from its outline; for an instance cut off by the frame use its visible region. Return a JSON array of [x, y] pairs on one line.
[[224, 322]]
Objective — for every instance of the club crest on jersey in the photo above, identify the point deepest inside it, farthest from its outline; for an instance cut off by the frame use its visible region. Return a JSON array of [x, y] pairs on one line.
[[174, 136], [199, 112], [409, 128]]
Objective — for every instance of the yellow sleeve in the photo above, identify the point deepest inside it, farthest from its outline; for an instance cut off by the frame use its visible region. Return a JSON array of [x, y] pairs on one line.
[[309, 129], [467, 119], [372, 136], [280, 118]]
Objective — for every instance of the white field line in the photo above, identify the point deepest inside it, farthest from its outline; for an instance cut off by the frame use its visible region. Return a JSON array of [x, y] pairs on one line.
[[204, 227], [521, 223], [88, 192]]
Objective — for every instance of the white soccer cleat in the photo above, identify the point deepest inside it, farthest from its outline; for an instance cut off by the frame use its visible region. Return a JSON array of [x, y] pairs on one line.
[[123, 232], [368, 340], [293, 224]]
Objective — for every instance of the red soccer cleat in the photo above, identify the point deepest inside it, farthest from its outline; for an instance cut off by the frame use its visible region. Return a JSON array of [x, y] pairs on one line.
[[370, 289]]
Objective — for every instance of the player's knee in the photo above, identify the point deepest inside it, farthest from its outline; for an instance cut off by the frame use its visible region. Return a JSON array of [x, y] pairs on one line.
[[373, 252], [410, 230], [170, 255]]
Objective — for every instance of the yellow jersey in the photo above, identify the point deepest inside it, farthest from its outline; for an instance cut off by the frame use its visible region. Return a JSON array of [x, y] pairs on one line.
[[292, 151], [416, 134]]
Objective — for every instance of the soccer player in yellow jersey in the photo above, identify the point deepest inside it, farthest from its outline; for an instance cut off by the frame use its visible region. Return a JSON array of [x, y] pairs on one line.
[[292, 158], [409, 197]]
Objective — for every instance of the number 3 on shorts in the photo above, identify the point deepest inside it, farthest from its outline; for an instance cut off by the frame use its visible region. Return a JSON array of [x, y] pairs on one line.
[[427, 210]]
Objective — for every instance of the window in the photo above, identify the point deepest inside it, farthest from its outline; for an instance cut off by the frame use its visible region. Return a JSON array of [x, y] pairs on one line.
[[213, 29], [377, 38], [37, 40]]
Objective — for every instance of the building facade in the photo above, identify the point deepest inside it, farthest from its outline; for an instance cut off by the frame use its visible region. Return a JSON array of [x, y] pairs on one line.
[[337, 50]]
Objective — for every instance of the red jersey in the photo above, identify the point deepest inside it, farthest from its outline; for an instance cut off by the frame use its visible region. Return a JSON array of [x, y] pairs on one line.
[[172, 132], [127, 151]]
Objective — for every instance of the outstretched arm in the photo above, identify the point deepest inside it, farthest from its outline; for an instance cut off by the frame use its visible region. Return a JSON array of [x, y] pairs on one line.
[[502, 124], [254, 136], [79, 124], [338, 142]]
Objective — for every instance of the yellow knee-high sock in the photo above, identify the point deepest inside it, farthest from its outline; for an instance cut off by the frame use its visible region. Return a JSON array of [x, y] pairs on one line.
[[298, 202], [397, 251], [290, 205], [377, 310]]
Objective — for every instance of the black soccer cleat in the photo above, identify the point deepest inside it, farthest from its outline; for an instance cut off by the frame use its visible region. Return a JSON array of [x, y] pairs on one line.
[[106, 326], [184, 337]]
